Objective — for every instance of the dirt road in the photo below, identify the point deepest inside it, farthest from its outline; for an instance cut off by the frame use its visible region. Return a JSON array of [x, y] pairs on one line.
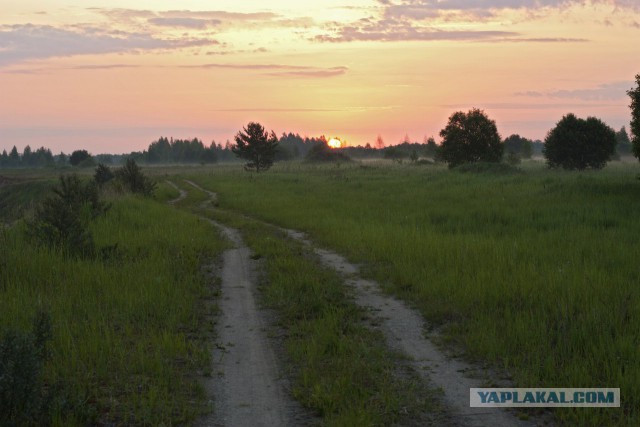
[[402, 327]]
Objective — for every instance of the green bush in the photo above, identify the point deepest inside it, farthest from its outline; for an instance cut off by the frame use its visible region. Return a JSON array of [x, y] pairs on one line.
[[103, 174], [133, 180], [62, 221]]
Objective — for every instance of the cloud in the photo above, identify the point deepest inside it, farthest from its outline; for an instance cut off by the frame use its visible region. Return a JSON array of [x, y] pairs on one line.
[[281, 70], [424, 9], [19, 43], [604, 92], [192, 23], [402, 30]]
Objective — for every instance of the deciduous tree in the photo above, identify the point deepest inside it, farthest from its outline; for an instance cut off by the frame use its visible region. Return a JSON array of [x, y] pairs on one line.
[[579, 144], [634, 94], [470, 137]]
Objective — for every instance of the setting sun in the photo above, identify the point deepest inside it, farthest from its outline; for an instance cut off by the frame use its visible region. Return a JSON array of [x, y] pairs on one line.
[[334, 143]]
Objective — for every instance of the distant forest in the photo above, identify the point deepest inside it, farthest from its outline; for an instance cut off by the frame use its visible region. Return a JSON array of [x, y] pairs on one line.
[[291, 146]]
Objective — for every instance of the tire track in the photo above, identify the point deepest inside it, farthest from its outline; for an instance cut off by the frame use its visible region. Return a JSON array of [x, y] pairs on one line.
[[403, 329], [247, 387]]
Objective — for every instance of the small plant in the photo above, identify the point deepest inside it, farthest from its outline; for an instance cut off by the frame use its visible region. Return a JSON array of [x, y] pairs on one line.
[[22, 355], [132, 178], [103, 174], [62, 221]]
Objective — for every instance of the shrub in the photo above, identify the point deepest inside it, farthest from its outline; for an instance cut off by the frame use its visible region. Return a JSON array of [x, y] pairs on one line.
[[23, 399], [132, 178], [62, 221], [103, 174]]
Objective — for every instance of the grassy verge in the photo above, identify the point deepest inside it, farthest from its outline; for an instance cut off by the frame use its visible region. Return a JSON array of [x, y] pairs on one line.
[[535, 272], [341, 368], [127, 338]]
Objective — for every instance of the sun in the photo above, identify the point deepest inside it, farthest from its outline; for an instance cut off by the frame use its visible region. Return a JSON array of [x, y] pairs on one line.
[[334, 143]]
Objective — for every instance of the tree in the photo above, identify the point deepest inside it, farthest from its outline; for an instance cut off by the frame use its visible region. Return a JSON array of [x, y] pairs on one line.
[[14, 157], [470, 137], [579, 144], [634, 94], [623, 143], [78, 157], [253, 143], [379, 143], [518, 145]]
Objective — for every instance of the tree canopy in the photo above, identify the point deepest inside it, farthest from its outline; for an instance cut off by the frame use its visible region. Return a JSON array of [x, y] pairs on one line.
[[257, 146], [78, 157], [579, 144], [516, 144], [470, 137], [634, 94]]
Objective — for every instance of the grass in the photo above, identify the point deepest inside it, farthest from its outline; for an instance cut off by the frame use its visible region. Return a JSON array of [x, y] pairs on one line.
[[128, 329], [535, 272], [341, 368], [19, 197]]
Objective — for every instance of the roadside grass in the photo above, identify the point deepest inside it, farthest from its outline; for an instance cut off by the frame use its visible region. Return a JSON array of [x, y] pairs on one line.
[[128, 327], [341, 368], [534, 272]]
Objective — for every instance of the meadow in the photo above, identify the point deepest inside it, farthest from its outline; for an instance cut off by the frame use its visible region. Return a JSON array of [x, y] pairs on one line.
[[533, 271], [129, 330]]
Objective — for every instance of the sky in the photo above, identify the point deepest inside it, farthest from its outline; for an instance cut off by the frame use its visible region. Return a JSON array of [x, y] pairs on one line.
[[113, 76]]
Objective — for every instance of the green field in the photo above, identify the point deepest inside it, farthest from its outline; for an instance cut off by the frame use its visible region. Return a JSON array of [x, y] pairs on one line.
[[531, 271], [129, 329], [534, 272]]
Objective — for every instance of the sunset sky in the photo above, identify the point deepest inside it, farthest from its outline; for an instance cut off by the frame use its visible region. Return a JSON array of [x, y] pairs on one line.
[[113, 76]]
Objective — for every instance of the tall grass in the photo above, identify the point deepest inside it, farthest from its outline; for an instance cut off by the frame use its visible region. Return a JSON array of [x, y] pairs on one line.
[[535, 272], [127, 327], [341, 369]]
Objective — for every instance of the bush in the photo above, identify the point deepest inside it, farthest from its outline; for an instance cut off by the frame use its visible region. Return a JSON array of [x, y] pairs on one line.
[[62, 221], [579, 144], [102, 175], [23, 397], [132, 178]]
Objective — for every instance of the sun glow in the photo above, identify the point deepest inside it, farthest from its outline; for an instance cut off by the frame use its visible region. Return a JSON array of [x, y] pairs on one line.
[[334, 143]]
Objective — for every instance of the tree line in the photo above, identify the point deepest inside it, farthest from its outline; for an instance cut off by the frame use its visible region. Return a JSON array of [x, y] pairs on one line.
[[574, 143]]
